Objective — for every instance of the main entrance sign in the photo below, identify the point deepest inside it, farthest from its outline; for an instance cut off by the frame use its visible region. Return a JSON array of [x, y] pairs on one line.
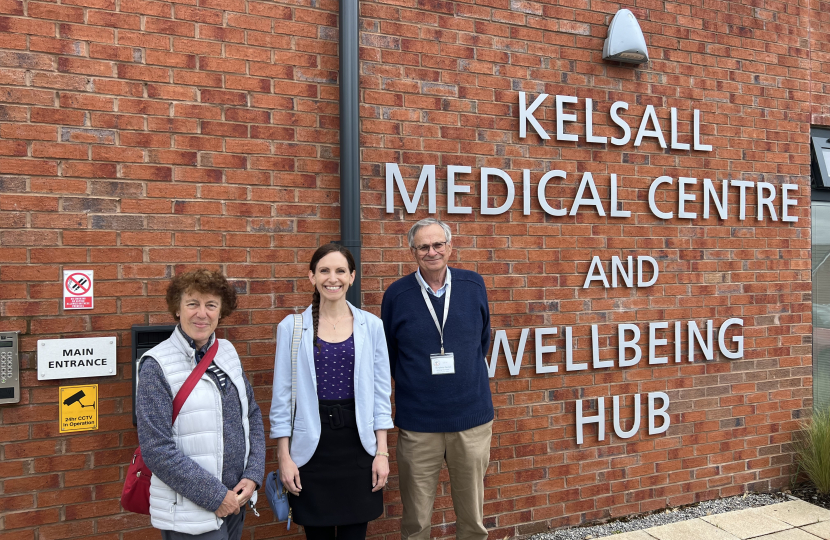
[[75, 357]]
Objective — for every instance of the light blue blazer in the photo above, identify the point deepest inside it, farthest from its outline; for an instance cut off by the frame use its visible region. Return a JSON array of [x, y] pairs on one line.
[[372, 385]]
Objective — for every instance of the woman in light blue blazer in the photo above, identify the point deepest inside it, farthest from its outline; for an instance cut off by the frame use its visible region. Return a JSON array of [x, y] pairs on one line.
[[338, 460]]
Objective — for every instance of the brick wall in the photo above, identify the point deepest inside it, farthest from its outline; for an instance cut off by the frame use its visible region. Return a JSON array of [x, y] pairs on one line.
[[440, 86], [140, 138]]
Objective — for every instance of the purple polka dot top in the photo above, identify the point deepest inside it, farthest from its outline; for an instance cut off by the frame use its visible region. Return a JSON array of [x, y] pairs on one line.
[[334, 364]]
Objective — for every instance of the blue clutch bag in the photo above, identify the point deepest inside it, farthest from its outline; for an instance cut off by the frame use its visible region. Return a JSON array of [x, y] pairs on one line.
[[277, 497]]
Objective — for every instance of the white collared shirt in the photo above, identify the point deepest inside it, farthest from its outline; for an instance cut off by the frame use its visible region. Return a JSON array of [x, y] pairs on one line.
[[443, 288]]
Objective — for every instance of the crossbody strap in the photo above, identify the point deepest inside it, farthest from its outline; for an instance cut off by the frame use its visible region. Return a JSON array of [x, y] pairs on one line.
[[295, 349], [193, 378]]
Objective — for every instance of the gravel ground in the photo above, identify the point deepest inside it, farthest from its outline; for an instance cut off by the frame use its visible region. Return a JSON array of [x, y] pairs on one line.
[[664, 517], [810, 494]]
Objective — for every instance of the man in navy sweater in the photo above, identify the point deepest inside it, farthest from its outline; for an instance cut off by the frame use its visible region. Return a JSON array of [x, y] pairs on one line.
[[437, 324]]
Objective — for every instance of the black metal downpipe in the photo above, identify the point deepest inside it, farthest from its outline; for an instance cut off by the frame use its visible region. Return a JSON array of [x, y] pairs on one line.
[[350, 140]]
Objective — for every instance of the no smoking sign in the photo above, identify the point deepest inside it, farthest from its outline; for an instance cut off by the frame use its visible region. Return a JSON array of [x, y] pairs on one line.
[[77, 289]]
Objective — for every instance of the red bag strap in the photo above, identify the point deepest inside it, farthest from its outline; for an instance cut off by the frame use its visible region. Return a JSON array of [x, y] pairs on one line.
[[193, 378]]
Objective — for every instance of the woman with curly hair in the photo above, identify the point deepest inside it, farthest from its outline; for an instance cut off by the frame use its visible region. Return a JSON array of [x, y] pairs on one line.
[[208, 463], [338, 461]]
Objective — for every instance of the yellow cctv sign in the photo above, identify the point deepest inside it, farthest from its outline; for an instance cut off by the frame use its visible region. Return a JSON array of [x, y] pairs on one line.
[[78, 408]]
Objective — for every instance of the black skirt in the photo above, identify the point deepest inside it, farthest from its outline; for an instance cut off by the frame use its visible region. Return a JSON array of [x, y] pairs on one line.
[[337, 480]]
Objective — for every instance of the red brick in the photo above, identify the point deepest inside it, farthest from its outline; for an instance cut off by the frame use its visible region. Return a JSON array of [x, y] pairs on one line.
[[87, 33], [11, 202], [166, 26], [31, 518], [144, 7], [82, 529], [26, 26], [11, 7], [143, 73], [144, 140], [20, 502], [61, 151], [31, 483], [88, 238], [57, 116], [86, 67], [114, 20], [82, 101]]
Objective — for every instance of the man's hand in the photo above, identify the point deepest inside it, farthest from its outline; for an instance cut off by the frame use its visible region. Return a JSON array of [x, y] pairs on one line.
[[244, 491], [290, 475], [229, 505]]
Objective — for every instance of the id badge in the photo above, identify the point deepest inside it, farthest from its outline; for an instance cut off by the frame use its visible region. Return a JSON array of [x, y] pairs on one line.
[[442, 364]]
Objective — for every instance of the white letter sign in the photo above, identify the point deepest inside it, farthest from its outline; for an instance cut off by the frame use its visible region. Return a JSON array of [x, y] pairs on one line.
[[74, 358]]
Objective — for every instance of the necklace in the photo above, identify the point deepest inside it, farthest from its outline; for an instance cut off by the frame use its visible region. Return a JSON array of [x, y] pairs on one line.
[[334, 324]]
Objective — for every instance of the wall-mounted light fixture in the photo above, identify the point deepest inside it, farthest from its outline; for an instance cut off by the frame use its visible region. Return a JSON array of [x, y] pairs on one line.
[[625, 41]]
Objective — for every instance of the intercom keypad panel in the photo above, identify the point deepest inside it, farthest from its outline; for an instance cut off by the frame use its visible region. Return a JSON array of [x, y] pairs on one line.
[[9, 368]]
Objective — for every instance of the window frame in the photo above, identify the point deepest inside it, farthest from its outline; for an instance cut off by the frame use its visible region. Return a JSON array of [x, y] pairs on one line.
[[819, 140]]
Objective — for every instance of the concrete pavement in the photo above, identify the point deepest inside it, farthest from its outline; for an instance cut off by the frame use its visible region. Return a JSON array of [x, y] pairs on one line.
[[792, 520]]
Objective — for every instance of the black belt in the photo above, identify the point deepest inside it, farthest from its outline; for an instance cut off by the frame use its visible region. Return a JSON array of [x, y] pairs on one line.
[[337, 416]]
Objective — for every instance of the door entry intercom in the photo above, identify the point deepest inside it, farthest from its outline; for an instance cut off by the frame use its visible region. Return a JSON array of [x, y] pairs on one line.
[[9, 368], [144, 339]]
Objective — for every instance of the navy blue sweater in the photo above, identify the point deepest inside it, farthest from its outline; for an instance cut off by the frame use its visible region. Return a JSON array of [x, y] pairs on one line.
[[439, 403]]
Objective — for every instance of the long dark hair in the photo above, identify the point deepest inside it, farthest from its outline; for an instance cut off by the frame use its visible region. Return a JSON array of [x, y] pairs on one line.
[[321, 252]]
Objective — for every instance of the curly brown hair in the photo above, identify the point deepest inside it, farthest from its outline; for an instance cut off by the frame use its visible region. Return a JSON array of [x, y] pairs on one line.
[[202, 281]]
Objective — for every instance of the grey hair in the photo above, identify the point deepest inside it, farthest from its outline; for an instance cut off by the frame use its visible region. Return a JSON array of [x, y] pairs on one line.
[[426, 222]]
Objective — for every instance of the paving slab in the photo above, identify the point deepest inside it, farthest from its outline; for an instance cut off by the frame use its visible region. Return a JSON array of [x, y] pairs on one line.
[[749, 523], [820, 529], [789, 534], [633, 535], [796, 513], [693, 529]]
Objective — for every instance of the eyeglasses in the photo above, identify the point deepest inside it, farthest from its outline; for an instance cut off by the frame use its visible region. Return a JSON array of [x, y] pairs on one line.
[[439, 247]]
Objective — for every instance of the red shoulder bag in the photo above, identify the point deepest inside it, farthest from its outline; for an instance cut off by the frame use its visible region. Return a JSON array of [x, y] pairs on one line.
[[136, 494]]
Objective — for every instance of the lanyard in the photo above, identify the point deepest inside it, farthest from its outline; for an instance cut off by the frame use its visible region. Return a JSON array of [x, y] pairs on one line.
[[431, 309]]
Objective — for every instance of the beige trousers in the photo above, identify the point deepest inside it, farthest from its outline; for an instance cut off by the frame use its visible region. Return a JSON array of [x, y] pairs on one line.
[[420, 457]]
